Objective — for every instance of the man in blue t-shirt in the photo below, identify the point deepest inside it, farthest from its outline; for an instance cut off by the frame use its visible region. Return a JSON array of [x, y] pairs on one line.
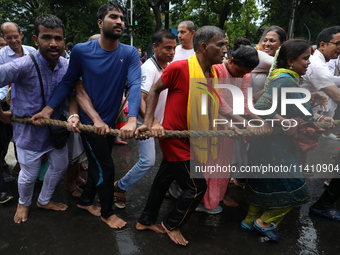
[[104, 65]]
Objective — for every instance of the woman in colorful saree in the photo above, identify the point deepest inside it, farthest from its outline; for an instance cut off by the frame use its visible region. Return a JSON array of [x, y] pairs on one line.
[[272, 197]]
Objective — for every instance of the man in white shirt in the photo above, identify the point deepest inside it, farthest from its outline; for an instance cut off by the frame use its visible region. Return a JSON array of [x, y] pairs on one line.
[[186, 32], [164, 43], [13, 36], [318, 76], [334, 67], [11, 33]]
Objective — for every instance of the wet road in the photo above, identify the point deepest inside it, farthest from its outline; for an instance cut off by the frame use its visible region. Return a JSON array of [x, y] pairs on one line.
[[75, 231]]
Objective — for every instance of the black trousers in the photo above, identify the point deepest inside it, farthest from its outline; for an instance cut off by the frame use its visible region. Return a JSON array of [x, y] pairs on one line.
[[3, 184], [192, 194], [101, 172], [329, 196], [8, 132]]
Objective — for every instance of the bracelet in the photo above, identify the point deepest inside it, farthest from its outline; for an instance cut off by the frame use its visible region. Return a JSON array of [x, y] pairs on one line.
[[73, 115], [322, 118], [319, 118]]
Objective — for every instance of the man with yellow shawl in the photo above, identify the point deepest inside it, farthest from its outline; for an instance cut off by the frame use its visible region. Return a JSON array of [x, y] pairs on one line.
[[186, 81]]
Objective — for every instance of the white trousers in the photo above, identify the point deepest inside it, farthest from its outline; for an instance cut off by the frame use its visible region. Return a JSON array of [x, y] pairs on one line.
[[30, 163]]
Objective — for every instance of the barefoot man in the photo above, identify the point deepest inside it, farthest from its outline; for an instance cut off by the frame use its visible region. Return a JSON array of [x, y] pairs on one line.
[[178, 78], [32, 141], [107, 67]]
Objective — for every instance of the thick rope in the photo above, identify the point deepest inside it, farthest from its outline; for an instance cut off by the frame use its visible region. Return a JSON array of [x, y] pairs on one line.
[[168, 133]]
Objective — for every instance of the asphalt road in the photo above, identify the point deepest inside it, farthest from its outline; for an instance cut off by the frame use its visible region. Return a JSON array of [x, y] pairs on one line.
[[75, 231]]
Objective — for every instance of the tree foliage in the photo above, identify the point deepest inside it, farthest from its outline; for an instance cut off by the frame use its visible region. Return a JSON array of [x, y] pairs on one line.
[[243, 22], [79, 17], [238, 18], [311, 16], [146, 23], [203, 12]]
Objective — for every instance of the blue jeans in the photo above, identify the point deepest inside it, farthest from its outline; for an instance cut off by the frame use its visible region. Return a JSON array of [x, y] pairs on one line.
[[147, 157]]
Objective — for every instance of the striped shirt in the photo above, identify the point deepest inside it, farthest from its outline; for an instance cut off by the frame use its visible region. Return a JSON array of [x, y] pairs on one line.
[[27, 99]]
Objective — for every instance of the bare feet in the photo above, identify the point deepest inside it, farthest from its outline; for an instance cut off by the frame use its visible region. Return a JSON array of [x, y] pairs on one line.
[[94, 210], [228, 201], [84, 166], [74, 190], [176, 236], [21, 215], [114, 222], [157, 228], [239, 184], [80, 182], [53, 206]]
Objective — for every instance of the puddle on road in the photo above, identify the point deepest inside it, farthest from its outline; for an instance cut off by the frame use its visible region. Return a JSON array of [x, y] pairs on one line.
[[307, 241], [125, 243], [213, 221]]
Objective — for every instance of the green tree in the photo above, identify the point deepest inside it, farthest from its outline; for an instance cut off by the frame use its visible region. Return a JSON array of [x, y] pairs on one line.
[[236, 17], [243, 22], [79, 17], [142, 32], [155, 5], [311, 16], [143, 7]]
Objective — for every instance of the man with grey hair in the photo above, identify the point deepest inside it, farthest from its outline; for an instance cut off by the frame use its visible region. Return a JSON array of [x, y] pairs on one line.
[[14, 49], [186, 32], [178, 156], [12, 34]]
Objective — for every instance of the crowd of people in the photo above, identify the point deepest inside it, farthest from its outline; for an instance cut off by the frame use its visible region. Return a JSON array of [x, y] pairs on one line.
[[92, 81]]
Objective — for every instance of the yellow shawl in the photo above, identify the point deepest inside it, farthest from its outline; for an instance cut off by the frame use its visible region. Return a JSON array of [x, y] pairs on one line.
[[276, 72], [196, 121]]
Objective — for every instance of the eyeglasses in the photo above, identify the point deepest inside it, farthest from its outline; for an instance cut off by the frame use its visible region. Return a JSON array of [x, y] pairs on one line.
[[337, 44], [15, 37]]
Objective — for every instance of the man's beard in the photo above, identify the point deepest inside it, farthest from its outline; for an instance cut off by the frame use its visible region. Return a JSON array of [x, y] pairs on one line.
[[111, 35]]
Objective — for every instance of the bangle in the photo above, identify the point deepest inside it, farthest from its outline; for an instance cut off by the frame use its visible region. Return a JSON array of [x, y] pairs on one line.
[[73, 115], [320, 117]]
